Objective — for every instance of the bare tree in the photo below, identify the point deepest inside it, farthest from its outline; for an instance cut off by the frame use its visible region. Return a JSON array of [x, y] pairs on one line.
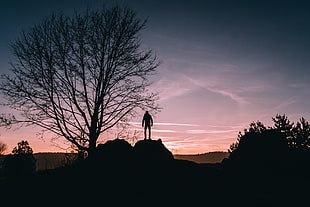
[[80, 76]]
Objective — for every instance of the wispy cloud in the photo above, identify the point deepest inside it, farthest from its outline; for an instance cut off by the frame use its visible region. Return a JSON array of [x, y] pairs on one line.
[[215, 87], [299, 85], [196, 131], [203, 131], [176, 124], [238, 86], [167, 124], [171, 86], [233, 95], [164, 130], [284, 104]]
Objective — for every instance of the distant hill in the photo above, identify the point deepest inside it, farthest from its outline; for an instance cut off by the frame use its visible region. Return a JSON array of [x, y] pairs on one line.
[[210, 157], [48, 160]]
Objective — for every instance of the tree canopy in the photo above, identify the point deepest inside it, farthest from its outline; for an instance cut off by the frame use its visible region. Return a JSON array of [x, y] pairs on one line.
[[22, 147]]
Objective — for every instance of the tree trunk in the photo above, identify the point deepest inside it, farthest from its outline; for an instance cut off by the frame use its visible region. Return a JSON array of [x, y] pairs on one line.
[[92, 145]]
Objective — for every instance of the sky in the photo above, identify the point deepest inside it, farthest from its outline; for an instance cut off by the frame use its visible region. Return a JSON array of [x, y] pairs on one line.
[[224, 64]]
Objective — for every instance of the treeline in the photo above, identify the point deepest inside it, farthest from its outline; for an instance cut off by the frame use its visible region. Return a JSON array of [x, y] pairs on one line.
[[296, 135], [283, 147], [22, 160]]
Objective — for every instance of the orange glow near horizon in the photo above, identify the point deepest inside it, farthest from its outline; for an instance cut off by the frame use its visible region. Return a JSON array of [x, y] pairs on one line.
[[179, 138]]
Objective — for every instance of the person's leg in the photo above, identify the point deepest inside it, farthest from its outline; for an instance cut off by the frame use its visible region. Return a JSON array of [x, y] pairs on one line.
[[149, 132], [145, 132]]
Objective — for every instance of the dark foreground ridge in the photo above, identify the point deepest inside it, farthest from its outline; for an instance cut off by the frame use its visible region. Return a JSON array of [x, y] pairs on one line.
[[147, 174], [122, 174]]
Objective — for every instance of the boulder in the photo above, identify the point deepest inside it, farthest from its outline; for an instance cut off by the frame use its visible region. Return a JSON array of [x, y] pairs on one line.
[[152, 150], [117, 150]]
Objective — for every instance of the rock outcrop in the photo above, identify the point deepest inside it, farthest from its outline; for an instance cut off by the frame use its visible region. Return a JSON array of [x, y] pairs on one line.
[[151, 150], [119, 150]]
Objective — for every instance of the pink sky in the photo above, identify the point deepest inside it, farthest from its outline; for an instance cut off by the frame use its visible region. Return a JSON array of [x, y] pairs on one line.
[[223, 66]]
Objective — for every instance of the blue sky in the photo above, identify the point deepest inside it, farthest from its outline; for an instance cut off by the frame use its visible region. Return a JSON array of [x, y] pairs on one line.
[[223, 65]]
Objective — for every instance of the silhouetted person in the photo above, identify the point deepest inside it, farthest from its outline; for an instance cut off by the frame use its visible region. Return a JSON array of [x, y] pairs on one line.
[[147, 123]]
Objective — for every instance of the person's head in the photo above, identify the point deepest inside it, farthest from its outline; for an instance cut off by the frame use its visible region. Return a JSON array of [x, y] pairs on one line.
[[146, 112]]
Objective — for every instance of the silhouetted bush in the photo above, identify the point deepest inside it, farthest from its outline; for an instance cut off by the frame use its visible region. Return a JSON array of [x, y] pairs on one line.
[[21, 162], [283, 146], [269, 144], [297, 135]]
